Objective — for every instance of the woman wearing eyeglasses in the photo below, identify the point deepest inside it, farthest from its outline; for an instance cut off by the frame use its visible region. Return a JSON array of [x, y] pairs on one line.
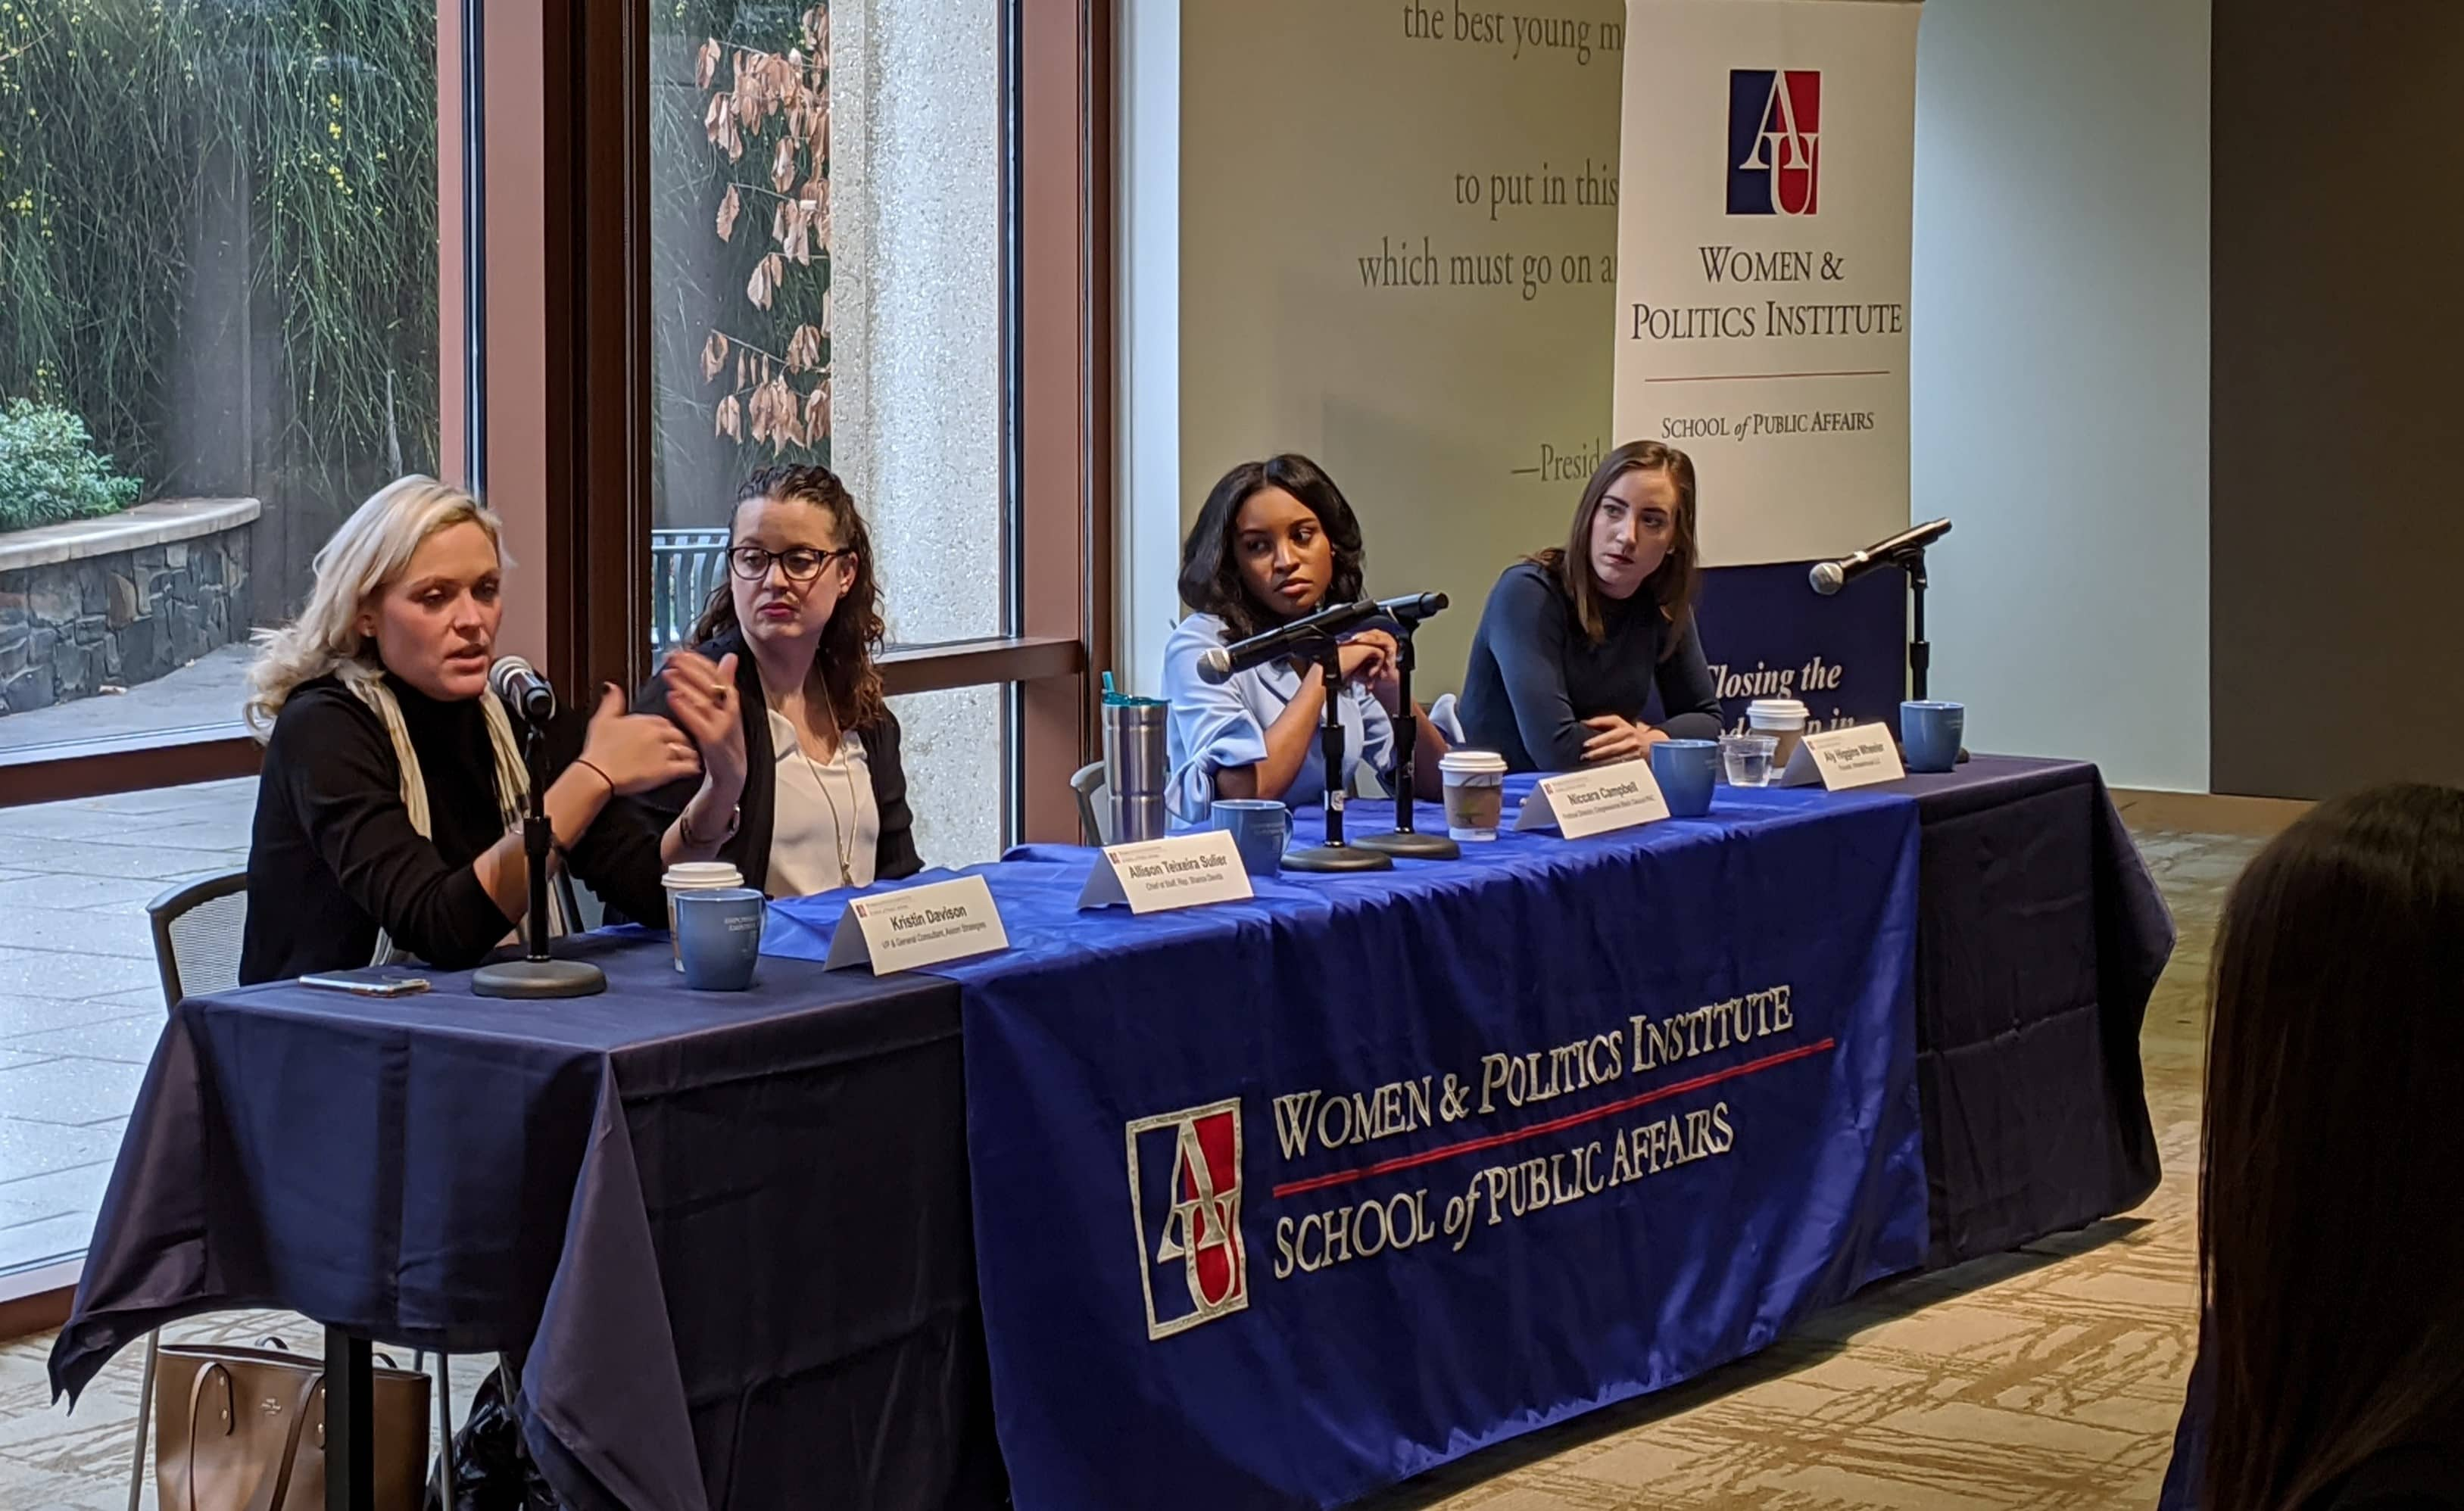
[[802, 788]]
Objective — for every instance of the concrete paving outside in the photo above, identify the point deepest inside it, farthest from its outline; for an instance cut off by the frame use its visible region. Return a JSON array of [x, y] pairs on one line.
[[204, 694], [80, 1004]]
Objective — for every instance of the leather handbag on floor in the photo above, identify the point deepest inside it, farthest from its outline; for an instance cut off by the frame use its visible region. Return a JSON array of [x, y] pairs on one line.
[[239, 1429]]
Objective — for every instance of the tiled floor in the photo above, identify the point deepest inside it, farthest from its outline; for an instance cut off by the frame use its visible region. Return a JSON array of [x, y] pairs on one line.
[[2047, 1378], [80, 1005]]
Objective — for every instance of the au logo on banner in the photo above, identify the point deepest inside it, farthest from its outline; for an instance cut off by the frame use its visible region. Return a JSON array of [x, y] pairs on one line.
[[1192, 1263], [1774, 140]]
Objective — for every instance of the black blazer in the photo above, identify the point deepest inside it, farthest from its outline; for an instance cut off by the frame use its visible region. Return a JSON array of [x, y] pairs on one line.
[[748, 850]]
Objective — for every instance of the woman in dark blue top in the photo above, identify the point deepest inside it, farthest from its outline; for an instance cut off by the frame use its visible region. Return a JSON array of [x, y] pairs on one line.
[[1574, 640]]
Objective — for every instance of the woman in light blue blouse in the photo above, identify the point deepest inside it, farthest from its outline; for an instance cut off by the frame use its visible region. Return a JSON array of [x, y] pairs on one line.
[[1274, 542]]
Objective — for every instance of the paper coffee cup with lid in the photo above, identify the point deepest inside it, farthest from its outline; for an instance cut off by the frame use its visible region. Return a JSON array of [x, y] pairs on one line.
[[1784, 719], [1475, 791], [693, 876]]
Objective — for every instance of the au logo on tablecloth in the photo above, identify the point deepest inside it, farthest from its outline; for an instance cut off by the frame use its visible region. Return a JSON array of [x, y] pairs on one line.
[[1185, 1197]]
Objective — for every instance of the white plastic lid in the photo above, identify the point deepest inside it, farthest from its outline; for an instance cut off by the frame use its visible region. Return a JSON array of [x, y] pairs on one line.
[[1776, 713], [1472, 763], [694, 876]]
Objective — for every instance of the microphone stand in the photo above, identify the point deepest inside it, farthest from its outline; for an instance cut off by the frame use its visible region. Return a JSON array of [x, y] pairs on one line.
[[1407, 734], [1920, 652], [537, 975], [1333, 855]]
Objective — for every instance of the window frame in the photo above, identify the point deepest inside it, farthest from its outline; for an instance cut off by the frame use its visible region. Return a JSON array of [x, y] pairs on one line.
[[549, 407]]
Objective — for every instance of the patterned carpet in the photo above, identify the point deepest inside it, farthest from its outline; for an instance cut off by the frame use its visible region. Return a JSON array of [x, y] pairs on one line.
[[2049, 1378]]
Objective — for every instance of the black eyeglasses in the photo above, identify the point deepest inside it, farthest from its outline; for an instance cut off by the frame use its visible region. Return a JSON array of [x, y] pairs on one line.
[[800, 563]]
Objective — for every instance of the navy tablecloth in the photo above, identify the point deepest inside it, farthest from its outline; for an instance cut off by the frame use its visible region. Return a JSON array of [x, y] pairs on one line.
[[1279, 1203], [2040, 939], [734, 1232], [730, 1231]]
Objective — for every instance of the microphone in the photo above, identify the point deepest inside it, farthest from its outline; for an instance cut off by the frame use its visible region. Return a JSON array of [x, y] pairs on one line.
[[1216, 665], [524, 690], [1830, 577], [1412, 608]]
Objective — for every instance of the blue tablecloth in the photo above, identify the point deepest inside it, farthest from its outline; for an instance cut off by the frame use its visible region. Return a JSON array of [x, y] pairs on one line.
[[734, 1232], [674, 1201], [1281, 1201]]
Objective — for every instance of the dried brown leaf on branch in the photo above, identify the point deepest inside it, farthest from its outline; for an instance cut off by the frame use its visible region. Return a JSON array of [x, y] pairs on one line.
[[713, 356], [785, 426], [798, 240], [729, 209], [728, 420], [828, 300], [705, 62], [782, 166], [804, 349], [818, 132], [815, 198], [817, 31], [758, 287], [817, 412]]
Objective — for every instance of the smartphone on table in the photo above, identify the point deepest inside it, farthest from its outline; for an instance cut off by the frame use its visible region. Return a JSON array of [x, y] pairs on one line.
[[369, 980]]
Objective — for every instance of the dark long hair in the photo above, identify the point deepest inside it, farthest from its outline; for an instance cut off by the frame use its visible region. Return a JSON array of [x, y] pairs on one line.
[[844, 657], [1679, 579], [2330, 1234], [1210, 570]]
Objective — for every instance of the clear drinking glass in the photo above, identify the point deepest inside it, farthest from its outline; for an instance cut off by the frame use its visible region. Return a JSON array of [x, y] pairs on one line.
[[1747, 759]]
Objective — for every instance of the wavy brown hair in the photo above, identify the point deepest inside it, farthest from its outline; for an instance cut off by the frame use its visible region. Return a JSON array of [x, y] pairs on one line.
[[844, 660], [1679, 580], [2330, 1238]]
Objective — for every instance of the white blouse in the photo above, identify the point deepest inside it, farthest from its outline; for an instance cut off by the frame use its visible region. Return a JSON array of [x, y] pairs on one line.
[[824, 815]]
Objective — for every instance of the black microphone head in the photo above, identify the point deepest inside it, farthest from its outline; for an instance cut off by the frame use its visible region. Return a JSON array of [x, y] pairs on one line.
[[1412, 608], [1214, 666]]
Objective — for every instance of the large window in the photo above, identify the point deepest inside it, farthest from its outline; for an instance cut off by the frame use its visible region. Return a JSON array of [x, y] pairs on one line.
[[218, 332], [245, 261], [827, 230], [220, 296]]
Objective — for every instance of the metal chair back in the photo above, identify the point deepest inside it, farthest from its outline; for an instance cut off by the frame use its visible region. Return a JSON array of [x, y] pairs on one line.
[[198, 927], [1087, 784]]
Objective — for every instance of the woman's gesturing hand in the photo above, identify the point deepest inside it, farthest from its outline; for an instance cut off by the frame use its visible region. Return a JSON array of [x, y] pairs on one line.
[[704, 699], [635, 752]]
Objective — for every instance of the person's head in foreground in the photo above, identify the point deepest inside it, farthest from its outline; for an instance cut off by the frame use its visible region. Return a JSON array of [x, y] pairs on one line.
[[2331, 1187]]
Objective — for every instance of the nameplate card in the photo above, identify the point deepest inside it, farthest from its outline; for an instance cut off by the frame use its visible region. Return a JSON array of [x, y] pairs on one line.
[[1594, 802], [1155, 876], [1861, 756], [917, 926]]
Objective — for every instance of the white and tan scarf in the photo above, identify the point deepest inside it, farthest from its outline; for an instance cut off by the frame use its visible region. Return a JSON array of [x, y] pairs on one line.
[[513, 780]]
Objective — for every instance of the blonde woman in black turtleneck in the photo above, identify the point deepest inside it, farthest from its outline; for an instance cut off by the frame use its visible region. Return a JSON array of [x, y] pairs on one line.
[[388, 811]]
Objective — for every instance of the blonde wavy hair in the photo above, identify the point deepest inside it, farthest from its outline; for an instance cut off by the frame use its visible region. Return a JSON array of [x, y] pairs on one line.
[[371, 550]]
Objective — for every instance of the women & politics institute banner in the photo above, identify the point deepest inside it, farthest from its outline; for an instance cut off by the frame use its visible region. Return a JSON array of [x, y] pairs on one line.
[[1766, 181]]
